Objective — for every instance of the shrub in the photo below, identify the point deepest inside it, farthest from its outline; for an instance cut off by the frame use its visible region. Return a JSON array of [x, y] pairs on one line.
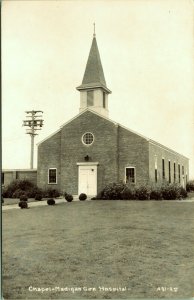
[[190, 186], [23, 204], [68, 197], [170, 192], [122, 191], [82, 197], [113, 191], [17, 187], [51, 193], [23, 197], [156, 194], [18, 193], [183, 193], [33, 192], [127, 194], [142, 193], [100, 196], [5, 193], [38, 197], [51, 202]]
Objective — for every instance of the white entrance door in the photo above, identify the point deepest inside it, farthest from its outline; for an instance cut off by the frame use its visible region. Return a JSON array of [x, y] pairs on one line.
[[88, 180]]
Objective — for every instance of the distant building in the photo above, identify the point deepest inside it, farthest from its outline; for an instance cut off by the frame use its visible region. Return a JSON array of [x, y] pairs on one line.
[[9, 175], [91, 151]]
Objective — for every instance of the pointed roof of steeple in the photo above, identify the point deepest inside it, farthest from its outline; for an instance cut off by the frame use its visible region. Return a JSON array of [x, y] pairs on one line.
[[94, 75]]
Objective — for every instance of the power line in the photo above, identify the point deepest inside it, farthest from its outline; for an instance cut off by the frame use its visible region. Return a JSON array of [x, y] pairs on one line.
[[35, 122]]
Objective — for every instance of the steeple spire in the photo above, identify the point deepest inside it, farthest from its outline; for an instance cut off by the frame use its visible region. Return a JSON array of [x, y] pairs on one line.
[[94, 75], [94, 35], [93, 90]]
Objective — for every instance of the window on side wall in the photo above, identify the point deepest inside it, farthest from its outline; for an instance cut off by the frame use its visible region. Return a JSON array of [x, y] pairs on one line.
[[130, 175], [156, 169], [169, 171], [52, 176], [179, 172], [174, 171], [163, 169]]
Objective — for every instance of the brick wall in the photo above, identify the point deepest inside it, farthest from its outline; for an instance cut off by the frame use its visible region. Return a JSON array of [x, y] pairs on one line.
[[114, 148], [49, 153], [8, 177], [29, 175], [133, 152], [103, 150], [157, 152]]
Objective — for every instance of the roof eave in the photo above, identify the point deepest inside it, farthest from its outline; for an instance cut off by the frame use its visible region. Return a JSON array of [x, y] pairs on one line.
[[88, 87]]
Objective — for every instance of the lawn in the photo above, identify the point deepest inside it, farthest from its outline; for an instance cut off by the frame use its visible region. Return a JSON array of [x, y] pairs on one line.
[[10, 201], [145, 248]]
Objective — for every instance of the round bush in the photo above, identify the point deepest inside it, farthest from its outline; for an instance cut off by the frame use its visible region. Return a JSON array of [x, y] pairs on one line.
[[82, 197], [38, 197], [23, 198], [68, 197], [23, 204], [51, 202]]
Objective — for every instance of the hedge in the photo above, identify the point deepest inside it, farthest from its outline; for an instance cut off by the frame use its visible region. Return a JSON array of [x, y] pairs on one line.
[[121, 191]]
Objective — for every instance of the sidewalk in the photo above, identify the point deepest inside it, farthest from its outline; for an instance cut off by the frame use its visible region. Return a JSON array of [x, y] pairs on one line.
[[44, 202], [36, 203]]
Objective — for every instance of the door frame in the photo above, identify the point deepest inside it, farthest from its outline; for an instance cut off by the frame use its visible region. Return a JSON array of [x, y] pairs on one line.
[[92, 165]]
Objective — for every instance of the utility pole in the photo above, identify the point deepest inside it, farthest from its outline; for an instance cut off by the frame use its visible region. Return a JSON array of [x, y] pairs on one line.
[[34, 121]]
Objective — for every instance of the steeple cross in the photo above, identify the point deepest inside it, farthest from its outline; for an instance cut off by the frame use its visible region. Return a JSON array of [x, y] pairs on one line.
[[94, 30]]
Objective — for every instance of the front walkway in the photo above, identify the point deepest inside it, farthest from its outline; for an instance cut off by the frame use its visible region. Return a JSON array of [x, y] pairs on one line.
[[35, 203], [44, 202]]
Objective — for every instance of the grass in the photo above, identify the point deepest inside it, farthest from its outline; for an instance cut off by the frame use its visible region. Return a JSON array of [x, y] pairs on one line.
[[139, 245], [10, 201]]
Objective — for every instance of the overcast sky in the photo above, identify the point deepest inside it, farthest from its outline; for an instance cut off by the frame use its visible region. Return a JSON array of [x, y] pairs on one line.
[[146, 48]]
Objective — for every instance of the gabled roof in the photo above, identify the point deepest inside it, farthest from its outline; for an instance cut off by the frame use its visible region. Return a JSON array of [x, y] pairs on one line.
[[94, 75], [94, 112], [116, 124], [90, 110]]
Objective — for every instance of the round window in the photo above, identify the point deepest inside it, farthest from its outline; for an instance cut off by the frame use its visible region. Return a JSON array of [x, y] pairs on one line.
[[88, 138]]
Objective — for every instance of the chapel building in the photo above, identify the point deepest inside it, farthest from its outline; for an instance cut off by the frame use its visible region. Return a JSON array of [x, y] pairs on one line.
[[90, 150]]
